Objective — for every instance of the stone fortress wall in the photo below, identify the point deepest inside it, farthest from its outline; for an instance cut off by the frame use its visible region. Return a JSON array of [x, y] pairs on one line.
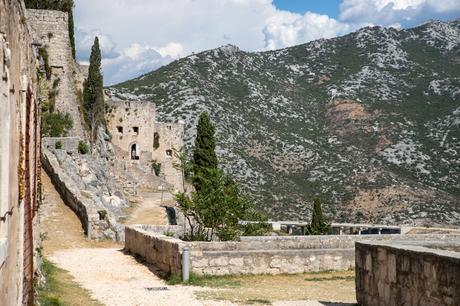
[[19, 157], [253, 255], [50, 30], [408, 273], [140, 139]]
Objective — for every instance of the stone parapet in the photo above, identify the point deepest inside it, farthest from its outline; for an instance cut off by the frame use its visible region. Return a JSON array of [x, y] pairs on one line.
[[255, 255], [408, 273]]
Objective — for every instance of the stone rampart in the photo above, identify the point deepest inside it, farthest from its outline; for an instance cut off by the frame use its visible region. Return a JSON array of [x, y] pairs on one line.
[[162, 251], [257, 255], [409, 274], [69, 144], [97, 220]]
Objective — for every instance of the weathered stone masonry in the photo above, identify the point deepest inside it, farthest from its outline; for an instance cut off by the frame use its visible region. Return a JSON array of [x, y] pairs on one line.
[[50, 30], [19, 156], [140, 139], [253, 255], [409, 274]]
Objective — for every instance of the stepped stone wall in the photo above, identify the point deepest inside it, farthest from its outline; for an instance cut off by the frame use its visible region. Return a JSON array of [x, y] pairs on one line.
[[50, 30], [409, 274], [86, 187]]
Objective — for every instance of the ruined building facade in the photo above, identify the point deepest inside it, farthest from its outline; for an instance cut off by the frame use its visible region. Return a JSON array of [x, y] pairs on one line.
[[19, 156], [140, 140]]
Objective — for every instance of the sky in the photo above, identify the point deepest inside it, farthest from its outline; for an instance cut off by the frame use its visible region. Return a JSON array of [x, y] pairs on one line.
[[138, 36]]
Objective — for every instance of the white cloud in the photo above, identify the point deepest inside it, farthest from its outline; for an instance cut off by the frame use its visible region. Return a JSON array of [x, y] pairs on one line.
[[145, 34], [287, 29], [387, 12], [173, 49], [136, 60], [180, 27]]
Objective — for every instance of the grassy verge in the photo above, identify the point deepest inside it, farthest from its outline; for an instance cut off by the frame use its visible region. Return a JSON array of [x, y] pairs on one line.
[[329, 286], [61, 290], [204, 281]]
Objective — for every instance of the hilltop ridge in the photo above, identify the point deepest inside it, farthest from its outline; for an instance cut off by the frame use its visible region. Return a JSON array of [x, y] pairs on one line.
[[368, 121]]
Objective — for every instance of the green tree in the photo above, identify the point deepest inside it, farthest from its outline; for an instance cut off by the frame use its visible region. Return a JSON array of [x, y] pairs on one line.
[[182, 164], [204, 155], [318, 225], [93, 95], [218, 208]]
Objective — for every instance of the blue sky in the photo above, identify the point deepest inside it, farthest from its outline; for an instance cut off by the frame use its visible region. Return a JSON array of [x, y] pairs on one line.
[[328, 7], [138, 36]]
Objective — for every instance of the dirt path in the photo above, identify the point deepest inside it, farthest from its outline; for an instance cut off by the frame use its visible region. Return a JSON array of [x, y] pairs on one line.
[[150, 210], [109, 275], [118, 279], [60, 226], [113, 278]]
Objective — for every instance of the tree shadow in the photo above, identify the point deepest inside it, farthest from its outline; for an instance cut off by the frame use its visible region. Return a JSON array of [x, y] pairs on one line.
[[159, 273], [337, 304]]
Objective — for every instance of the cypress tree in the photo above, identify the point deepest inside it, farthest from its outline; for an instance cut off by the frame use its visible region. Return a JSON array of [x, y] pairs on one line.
[[204, 155], [318, 225], [93, 95], [71, 32]]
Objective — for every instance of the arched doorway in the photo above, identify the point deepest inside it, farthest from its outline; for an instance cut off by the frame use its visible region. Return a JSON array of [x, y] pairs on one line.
[[134, 151], [156, 141]]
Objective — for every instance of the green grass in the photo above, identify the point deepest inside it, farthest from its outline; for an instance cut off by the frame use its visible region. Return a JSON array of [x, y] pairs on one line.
[[60, 289], [332, 278], [204, 281]]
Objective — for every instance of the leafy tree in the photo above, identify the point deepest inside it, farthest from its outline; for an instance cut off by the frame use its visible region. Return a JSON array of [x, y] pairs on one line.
[[93, 96], [182, 164], [218, 208], [58, 5], [204, 155], [318, 225]]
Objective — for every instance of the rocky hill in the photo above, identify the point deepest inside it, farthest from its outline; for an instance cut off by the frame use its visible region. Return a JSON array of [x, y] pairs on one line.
[[369, 122]]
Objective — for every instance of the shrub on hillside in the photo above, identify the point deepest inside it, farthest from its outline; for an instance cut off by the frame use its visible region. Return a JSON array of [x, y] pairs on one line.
[[83, 147], [56, 124]]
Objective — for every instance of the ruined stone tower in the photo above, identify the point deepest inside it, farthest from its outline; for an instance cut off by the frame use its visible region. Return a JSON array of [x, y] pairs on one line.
[[50, 30]]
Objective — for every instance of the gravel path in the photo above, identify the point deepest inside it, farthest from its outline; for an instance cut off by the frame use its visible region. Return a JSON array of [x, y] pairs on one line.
[[116, 279]]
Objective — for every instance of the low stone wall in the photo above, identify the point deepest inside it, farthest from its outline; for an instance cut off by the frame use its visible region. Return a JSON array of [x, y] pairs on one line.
[[407, 274], [162, 251], [254, 255], [96, 225], [69, 144]]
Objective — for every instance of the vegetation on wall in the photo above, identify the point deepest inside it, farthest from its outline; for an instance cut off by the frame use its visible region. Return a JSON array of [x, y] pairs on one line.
[[58, 5], [93, 96], [54, 124], [43, 53], [156, 167]]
